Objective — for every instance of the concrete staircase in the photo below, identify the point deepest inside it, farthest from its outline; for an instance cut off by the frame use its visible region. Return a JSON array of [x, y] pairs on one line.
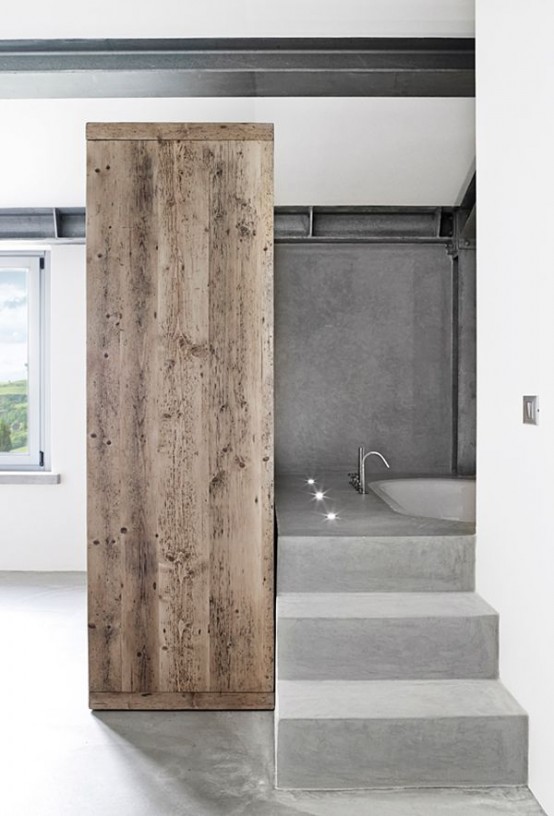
[[387, 666]]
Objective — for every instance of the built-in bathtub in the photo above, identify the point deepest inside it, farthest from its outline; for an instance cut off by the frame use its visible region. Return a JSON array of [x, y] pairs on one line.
[[450, 499]]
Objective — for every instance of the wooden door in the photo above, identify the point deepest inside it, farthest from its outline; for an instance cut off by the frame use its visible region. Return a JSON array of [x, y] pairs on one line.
[[180, 426]]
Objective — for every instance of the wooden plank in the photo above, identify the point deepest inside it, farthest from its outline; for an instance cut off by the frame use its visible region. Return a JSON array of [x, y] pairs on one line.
[[122, 272], [214, 701], [240, 502], [199, 131], [138, 425], [181, 421], [107, 251], [265, 238], [183, 382]]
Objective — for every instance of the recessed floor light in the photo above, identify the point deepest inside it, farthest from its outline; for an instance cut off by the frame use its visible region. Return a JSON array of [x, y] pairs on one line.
[[319, 495], [331, 516]]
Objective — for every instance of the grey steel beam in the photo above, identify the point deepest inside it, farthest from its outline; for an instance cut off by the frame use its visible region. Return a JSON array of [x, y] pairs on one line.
[[365, 224], [292, 224], [242, 67], [40, 224]]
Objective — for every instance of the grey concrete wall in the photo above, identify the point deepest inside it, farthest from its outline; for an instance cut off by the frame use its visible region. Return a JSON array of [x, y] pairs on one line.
[[363, 355], [467, 361]]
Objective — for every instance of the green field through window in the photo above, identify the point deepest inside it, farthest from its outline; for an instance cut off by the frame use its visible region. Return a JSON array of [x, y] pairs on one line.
[[14, 390]]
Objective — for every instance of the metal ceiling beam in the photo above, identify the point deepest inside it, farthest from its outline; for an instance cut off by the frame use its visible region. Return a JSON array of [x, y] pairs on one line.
[[387, 67], [292, 224], [43, 224], [364, 224]]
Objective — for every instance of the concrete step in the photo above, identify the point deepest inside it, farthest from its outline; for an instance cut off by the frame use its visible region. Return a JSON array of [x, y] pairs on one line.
[[437, 563], [375, 636], [338, 735], [499, 801]]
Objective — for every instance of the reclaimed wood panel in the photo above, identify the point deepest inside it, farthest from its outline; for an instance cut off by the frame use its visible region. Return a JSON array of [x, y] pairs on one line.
[[231, 131], [180, 420]]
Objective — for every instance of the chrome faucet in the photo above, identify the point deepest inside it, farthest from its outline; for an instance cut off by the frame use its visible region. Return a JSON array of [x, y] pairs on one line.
[[358, 480]]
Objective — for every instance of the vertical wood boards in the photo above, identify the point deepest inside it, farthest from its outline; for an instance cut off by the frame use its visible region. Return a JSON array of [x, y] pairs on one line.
[[180, 416]]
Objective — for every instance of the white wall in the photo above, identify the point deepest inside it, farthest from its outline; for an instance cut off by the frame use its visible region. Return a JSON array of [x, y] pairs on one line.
[[515, 171], [327, 151], [43, 526], [237, 18]]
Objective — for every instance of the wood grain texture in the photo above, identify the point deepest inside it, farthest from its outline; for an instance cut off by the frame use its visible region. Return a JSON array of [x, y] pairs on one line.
[[214, 701], [180, 419], [184, 382], [194, 131], [238, 241], [107, 251]]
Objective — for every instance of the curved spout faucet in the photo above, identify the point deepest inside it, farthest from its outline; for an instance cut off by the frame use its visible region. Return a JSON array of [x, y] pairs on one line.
[[359, 483]]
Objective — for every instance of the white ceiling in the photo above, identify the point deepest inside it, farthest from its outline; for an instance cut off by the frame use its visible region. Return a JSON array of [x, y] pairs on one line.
[[328, 151], [237, 18]]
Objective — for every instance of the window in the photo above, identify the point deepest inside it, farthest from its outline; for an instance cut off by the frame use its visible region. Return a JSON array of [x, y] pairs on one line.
[[22, 361]]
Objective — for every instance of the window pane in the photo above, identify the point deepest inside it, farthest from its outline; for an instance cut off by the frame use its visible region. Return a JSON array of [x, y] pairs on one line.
[[14, 361]]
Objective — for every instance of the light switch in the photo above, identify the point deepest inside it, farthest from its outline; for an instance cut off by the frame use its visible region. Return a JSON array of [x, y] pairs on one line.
[[531, 410]]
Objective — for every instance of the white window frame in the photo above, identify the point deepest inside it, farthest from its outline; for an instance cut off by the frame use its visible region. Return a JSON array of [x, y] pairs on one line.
[[35, 265]]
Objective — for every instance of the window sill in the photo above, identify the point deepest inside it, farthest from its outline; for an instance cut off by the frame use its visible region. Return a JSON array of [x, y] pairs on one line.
[[28, 477]]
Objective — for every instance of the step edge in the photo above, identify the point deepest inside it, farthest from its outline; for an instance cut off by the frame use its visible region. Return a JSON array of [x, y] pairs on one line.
[[408, 686], [481, 608], [403, 718]]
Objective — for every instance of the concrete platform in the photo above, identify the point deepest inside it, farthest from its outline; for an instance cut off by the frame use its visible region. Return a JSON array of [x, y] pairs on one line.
[[376, 564], [369, 548], [299, 514]]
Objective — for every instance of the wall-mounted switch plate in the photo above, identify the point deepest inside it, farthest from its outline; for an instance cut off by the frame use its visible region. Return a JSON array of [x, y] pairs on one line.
[[531, 410]]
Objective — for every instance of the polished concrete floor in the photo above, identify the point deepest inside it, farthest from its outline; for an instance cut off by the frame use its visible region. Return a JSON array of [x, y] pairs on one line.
[[59, 759]]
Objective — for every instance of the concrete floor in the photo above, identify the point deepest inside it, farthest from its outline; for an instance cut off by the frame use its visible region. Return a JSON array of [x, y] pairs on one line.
[[59, 759]]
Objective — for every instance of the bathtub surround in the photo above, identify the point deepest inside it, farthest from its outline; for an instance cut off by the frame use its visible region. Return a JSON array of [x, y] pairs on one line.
[[387, 661], [360, 516], [374, 344], [309, 562]]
